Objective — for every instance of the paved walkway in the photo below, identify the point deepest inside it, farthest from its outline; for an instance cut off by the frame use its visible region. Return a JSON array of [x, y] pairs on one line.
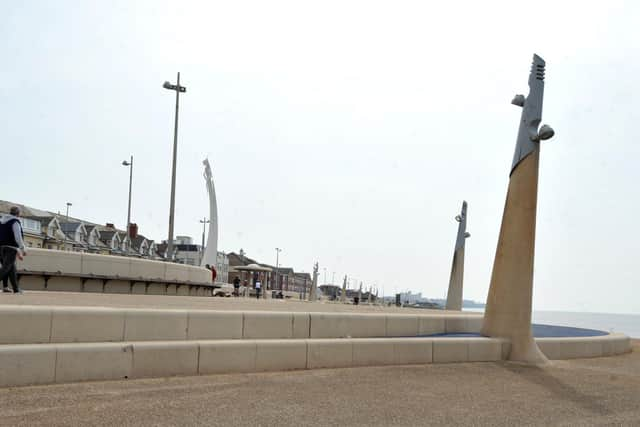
[[586, 392], [203, 303]]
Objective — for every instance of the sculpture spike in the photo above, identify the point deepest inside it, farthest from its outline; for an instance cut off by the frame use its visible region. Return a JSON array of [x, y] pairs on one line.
[[508, 309], [454, 294]]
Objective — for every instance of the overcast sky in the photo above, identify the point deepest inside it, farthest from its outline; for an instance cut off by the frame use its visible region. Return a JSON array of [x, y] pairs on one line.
[[344, 132]]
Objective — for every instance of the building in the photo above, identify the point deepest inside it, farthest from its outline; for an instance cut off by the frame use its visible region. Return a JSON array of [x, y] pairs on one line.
[[187, 252], [302, 284], [409, 298], [281, 279], [33, 235], [47, 230], [332, 292]]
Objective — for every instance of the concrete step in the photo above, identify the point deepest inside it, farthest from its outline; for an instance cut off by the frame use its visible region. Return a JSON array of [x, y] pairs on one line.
[[57, 363], [28, 364], [65, 324]]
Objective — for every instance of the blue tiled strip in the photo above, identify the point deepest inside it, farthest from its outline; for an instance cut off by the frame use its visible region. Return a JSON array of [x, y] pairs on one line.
[[540, 331]]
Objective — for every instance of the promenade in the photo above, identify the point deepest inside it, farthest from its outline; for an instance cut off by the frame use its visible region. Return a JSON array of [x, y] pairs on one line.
[[584, 392], [88, 299]]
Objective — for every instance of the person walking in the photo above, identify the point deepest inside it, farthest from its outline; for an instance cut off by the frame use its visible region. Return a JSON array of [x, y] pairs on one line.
[[11, 247], [258, 286], [245, 290], [236, 286]]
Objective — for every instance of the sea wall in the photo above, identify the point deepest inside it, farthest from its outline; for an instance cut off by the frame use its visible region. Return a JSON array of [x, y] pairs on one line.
[[85, 264]]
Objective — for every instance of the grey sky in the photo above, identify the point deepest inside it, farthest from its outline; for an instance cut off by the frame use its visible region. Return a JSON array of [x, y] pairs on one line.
[[344, 132]]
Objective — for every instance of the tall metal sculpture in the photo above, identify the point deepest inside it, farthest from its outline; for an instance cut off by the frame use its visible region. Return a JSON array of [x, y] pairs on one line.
[[454, 295], [508, 309], [210, 255], [313, 293]]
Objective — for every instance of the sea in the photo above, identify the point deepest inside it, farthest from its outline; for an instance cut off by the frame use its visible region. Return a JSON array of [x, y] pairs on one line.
[[628, 324]]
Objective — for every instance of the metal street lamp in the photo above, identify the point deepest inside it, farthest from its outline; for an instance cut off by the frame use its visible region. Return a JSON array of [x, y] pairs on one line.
[[68, 204], [130, 165], [178, 89], [204, 221], [278, 250]]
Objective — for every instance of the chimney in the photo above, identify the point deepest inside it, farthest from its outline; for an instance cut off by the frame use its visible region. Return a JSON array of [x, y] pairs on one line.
[[133, 230], [110, 225]]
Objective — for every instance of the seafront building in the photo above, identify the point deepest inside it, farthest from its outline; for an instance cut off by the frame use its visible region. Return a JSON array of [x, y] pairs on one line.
[[48, 230], [278, 279]]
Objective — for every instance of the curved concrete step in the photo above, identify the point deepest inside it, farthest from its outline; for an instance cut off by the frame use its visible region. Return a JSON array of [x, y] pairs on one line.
[[60, 324], [57, 363]]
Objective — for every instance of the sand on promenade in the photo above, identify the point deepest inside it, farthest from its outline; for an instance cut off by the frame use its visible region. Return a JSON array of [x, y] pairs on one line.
[[199, 303], [582, 392]]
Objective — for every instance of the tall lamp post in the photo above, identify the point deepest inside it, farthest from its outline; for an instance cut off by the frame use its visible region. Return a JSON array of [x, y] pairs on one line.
[[130, 165], [278, 250], [178, 89], [204, 221]]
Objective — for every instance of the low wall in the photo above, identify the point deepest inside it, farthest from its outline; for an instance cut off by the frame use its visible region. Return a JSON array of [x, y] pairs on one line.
[[57, 324], [58, 363], [78, 263]]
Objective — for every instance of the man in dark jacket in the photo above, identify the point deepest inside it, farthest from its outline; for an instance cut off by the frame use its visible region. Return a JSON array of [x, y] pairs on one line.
[[11, 246]]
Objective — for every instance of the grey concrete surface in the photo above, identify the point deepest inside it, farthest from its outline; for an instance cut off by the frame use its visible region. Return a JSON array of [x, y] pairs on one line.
[[582, 392], [201, 303]]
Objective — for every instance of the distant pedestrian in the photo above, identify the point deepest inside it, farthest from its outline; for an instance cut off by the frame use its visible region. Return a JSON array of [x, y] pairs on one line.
[[11, 247], [236, 286], [258, 286], [245, 290]]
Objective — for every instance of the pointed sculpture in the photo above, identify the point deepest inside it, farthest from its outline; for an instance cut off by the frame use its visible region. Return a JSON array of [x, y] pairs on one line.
[[360, 293], [210, 255], [508, 309], [343, 295], [454, 295], [314, 284]]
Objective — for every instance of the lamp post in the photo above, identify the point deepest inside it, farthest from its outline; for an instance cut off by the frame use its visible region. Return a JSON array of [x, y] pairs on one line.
[[278, 250], [178, 89], [68, 204], [204, 221], [130, 165]]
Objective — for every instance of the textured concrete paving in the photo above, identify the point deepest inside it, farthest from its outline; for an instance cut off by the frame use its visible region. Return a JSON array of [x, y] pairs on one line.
[[584, 392], [201, 303]]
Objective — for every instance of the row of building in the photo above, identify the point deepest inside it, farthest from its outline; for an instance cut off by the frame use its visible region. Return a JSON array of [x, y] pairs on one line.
[[48, 230], [277, 279]]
